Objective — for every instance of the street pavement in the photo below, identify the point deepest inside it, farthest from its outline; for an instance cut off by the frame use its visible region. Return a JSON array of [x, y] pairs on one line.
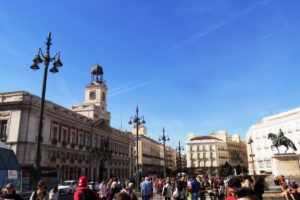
[[66, 197], [155, 197], [70, 197]]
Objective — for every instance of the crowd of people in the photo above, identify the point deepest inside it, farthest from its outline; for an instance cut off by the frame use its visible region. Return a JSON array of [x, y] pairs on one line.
[[171, 188], [182, 188], [196, 187]]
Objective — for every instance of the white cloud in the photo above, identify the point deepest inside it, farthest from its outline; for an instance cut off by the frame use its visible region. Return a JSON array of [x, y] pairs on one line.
[[230, 19], [124, 89]]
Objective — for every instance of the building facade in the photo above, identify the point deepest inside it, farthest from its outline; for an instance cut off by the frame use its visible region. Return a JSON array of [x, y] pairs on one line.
[[151, 153], [171, 158], [181, 162], [288, 122], [76, 141], [237, 150], [207, 154]]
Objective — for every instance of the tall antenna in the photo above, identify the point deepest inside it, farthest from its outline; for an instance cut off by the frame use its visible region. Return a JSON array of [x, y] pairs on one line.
[[121, 121]]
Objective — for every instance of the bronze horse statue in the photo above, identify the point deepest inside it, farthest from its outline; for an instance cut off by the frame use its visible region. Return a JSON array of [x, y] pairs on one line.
[[281, 140]]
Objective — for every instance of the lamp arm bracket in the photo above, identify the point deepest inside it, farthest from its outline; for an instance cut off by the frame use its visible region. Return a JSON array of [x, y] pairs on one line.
[[40, 51], [57, 54]]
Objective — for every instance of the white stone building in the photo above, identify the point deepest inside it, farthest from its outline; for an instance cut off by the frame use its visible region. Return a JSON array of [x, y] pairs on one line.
[[206, 154], [288, 122]]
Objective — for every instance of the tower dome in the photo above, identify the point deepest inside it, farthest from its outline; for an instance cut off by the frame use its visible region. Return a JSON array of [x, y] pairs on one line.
[[97, 74], [97, 70]]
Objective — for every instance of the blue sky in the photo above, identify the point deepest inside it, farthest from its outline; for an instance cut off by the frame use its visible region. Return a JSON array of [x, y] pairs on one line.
[[191, 66]]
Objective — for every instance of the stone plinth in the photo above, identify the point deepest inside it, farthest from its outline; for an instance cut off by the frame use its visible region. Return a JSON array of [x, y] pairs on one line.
[[286, 164]]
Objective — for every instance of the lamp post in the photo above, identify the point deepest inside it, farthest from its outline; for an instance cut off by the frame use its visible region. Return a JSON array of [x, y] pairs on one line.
[[164, 138], [137, 121], [46, 59], [179, 149], [252, 155]]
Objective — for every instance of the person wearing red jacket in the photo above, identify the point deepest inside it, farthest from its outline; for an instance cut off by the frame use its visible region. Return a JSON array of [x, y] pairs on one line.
[[83, 188]]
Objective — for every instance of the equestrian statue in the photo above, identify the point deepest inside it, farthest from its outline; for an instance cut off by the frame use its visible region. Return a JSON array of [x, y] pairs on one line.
[[281, 140]]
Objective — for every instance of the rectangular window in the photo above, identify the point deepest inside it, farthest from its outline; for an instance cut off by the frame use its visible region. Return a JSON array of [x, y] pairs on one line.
[[261, 164], [73, 134], [3, 127], [268, 163], [80, 139], [54, 132], [103, 96], [87, 141], [96, 141], [65, 134]]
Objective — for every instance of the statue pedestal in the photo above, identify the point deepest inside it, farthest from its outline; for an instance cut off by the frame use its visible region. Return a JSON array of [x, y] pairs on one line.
[[285, 164]]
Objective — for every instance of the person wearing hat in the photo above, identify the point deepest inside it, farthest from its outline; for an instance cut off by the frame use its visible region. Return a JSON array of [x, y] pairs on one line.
[[41, 192], [10, 192], [83, 191]]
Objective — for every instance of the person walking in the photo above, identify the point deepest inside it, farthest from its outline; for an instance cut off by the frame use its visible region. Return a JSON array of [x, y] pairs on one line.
[[114, 189], [180, 191], [167, 190], [83, 191], [130, 192], [195, 188], [41, 192], [146, 189], [54, 194], [10, 192], [103, 190]]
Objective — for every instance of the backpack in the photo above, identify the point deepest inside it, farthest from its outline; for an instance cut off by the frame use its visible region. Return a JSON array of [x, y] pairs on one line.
[[164, 192], [88, 195]]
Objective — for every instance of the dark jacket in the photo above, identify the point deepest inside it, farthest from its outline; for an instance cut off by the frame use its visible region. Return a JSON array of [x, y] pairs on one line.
[[14, 195]]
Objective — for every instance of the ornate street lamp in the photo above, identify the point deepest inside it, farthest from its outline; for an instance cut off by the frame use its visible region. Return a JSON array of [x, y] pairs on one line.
[[137, 121], [164, 138], [252, 155], [46, 59], [179, 149]]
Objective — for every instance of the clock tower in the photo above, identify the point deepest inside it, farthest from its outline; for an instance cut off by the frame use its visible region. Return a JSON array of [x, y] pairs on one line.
[[95, 92], [95, 101]]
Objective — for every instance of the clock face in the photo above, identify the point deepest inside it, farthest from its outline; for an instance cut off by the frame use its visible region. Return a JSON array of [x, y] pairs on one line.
[[92, 95]]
